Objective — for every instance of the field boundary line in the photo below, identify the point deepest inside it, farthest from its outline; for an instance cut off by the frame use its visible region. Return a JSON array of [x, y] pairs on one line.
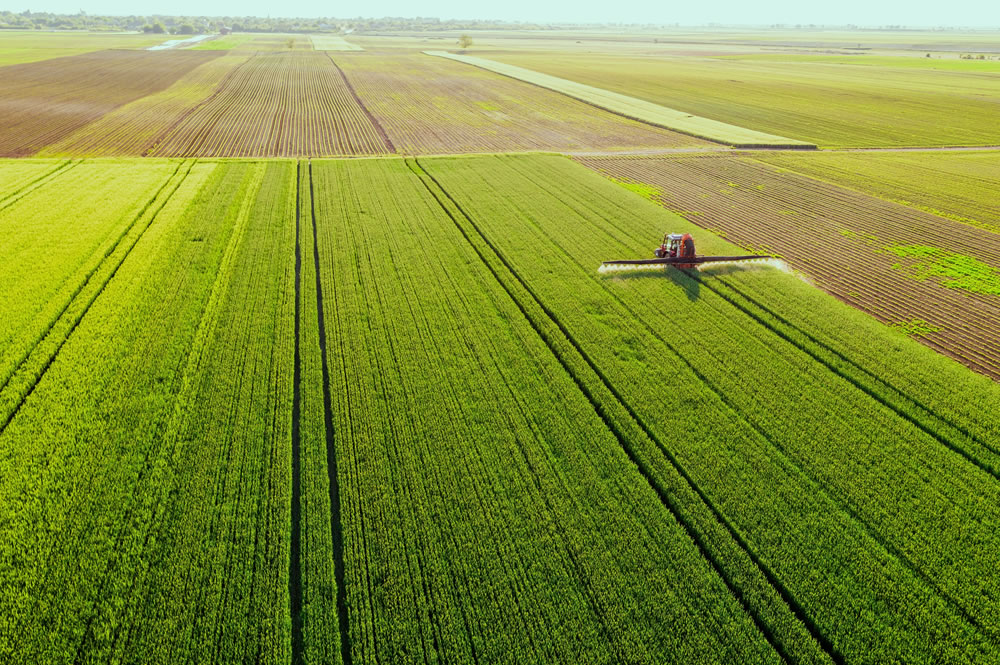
[[375, 123], [636, 108], [83, 284], [295, 548], [662, 493], [336, 525], [41, 180], [163, 135]]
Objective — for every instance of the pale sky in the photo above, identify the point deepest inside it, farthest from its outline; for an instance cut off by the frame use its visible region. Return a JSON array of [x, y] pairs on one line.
[[975, 13]]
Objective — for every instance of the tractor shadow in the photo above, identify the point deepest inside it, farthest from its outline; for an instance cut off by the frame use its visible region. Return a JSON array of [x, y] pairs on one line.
[[685, 279]]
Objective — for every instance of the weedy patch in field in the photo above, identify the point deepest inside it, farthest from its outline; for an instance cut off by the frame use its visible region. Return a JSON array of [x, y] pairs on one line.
[[955, 271], [915, 327]]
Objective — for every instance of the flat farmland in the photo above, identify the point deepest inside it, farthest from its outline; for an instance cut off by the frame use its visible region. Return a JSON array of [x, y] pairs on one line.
[[479, 448], [933, 276], [21, 46], [276, 104], [310, 355], [830, 101], [137, 128], [431, 105], [42, 102], [959, 185]]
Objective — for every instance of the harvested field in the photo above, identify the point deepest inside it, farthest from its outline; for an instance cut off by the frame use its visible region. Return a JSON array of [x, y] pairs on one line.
[[276, 105], [433, 105], [42, 102], [932, 277], [135, 128]]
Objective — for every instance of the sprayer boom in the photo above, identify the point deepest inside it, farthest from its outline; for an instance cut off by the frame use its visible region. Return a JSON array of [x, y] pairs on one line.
[[677, 250], [697, 260]]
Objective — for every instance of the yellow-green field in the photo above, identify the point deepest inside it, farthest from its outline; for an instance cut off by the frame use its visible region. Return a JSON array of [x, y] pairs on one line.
[[831, 101], [959, 185], [17, 46]]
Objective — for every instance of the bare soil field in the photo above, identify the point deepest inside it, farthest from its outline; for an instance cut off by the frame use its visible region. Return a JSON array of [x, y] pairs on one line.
[[433, 105], [279, 104], [41, 102]]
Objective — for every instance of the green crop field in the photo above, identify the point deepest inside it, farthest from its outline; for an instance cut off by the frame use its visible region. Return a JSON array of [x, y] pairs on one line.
[[962, 186], [423, 426], [309, 355], [826, 100]]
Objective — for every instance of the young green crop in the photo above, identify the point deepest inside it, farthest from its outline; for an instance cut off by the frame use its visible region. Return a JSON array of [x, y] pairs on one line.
[[753, 417], [487, 511]]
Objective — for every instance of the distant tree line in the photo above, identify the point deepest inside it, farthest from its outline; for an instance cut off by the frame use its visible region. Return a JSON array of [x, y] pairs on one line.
[[159, 24]]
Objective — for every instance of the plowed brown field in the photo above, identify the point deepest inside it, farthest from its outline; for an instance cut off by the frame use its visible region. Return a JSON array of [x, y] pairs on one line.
[[433, 105], [281, 104], [847, 242], [42, 102]]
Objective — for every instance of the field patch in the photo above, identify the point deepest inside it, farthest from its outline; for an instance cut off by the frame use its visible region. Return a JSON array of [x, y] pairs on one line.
[[832, 101], [43, 102], [961, 186], [136, 128], [432, 105], [276, 104], [21, 46], [636, 108], [839, 238], [332, 43], [389, 410]]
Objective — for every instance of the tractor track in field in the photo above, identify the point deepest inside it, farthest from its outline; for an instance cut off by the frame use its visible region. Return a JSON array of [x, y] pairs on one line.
[[375, 123], [295, 548], [817, 485], [87, 631], [925, 414], [437, 190], [35, 183], [336, 525], [83, 284]]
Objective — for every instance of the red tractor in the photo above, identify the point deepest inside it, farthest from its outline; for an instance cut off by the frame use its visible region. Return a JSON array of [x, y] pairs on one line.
[[676, 246], [677, 250]]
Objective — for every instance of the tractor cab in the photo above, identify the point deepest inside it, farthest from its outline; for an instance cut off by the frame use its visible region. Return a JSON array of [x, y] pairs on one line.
[[671, 246]]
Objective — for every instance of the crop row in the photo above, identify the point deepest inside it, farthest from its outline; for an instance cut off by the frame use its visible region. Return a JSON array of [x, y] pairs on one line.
[[960, 185], [840, 238], [44, 102], [488, 513], [276, 105], [267, 429], [431, 105], [50, 268], [141, 464], [852, 508], [135, 128]]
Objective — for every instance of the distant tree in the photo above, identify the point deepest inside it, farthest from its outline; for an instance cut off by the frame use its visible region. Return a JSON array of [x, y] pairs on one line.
[[464, 41], [156, 29], [186, 29]]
